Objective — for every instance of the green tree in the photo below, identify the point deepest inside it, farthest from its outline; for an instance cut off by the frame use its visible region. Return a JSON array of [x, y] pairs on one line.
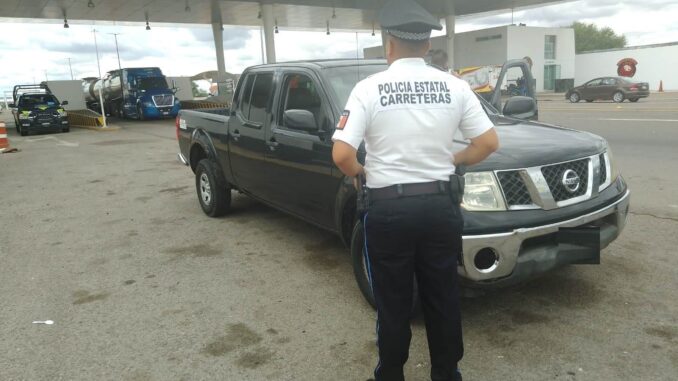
[[198, 92], [589, 37]]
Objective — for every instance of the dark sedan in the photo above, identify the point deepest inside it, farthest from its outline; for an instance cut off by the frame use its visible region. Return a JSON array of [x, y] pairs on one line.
[[609, 88]]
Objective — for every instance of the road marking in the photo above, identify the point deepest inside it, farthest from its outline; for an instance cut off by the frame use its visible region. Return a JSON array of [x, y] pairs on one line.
[[59, 141], [640, 120]]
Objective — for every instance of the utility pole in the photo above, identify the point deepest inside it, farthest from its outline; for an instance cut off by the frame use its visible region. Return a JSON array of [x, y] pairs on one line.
[[101, 97], [121, 109], [70, 67]]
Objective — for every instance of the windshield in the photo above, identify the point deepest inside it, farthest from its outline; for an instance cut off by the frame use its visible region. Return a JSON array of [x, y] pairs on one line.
[[152, 83], [38, 100], [343, 79]]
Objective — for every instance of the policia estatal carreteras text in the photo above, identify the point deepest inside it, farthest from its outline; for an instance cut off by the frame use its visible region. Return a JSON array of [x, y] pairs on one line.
[[407, 116]]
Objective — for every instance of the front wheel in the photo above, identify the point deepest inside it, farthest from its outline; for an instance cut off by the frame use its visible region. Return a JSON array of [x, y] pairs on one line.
[[574, 97], [618, 97], [214, 194], [634, 100], [67, 129], [361, 272]]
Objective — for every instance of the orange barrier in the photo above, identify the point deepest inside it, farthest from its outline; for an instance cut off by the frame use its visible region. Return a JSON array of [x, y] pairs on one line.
[[196, 105], [4, 141], [661, 86]]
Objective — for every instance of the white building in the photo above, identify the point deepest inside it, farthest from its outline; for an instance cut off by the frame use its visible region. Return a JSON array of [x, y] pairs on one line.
[[656, 63], [551, 49]]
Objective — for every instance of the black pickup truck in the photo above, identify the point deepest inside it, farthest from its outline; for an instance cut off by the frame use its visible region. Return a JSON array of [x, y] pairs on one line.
[[550, 196]]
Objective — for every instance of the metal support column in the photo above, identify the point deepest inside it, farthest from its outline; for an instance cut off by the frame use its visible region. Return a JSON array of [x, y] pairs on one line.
[[269, 35], [449, 28]]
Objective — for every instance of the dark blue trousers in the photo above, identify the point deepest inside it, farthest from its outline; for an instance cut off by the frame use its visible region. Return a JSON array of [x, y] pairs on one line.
[[406, 236]]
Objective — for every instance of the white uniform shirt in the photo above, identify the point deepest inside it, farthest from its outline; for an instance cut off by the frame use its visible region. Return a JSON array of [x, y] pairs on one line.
[[408, 116]]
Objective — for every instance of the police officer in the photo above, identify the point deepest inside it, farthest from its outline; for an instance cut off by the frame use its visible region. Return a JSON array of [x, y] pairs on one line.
[[407, 116]]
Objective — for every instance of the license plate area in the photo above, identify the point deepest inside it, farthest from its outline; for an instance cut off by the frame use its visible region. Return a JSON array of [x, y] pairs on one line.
[[582, 240]]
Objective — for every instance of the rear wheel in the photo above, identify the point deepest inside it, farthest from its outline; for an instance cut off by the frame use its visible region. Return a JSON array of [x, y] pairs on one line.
[[574, 97], [618, 97], [214, 194], [634, 100], [589, 100]]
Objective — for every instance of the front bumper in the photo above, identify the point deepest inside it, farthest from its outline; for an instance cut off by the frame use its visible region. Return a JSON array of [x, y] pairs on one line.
[[526, 252], [54, 125]]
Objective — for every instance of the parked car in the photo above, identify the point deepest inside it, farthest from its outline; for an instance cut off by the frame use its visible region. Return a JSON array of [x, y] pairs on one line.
[[609, 88], [36, 109], [549, 197]]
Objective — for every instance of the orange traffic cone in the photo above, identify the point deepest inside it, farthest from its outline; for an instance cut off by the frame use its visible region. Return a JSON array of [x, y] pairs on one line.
[[4, 142], [661, 86]]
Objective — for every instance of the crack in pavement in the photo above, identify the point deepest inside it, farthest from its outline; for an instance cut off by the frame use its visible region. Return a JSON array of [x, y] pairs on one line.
[[674, 219]]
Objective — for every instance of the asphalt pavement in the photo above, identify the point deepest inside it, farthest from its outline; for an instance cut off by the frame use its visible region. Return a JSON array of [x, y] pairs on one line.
[[102, 233]]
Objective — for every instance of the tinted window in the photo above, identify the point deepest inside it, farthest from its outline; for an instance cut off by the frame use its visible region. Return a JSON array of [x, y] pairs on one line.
[[151, 83], [245, 96], [38, 100], [300, 93], [550, 47], [595, 82], [609, 81], [261, 95], [343, 79]]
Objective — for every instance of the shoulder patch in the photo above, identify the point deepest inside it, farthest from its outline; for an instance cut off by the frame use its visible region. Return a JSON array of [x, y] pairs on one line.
[[343, 119]]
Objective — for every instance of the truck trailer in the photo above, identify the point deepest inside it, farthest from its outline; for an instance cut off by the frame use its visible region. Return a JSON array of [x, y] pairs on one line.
[[138, 93]]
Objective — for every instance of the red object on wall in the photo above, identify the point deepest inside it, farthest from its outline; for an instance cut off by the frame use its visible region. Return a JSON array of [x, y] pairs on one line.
[[627, 67]]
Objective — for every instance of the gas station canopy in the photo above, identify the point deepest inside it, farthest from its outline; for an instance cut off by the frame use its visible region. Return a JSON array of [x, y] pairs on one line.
[[302, 14]]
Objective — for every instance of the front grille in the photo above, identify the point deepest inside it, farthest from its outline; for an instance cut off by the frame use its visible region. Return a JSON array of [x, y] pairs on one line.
[[44, 117], [554, 177], [603, 169], [163, 100], [514, 188]]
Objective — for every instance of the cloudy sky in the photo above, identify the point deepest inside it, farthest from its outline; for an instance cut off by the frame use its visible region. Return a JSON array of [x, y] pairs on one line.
[[31, 53]]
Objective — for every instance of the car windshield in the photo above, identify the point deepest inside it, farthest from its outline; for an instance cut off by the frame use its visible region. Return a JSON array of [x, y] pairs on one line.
[[152, 83], [343, 79], [38, 100]]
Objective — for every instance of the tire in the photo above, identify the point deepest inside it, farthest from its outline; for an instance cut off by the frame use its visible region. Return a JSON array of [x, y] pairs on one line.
[[360, 271], [67, 129], [634, 100], [574, 97], [22, 131], [589, 100], [618, 97], [213, 192]]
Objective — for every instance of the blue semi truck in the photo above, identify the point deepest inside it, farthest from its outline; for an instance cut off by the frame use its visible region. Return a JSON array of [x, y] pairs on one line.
[[137, 93]]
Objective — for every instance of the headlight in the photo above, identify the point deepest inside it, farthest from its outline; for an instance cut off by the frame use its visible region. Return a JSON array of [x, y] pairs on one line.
[[482, 193], [62, 113], [611, 168], [25, 115], [148, 104]]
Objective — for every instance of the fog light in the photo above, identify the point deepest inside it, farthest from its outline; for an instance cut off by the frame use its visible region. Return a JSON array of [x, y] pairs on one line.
[[486, 260]]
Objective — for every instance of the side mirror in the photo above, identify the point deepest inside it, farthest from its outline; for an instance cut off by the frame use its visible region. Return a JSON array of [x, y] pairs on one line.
[[300, 120], [64, 103], [521, 108]]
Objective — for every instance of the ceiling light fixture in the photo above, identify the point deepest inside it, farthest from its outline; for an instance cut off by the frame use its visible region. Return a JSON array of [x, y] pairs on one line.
[[90, 4], [276, 25], [372, 28], [148, 27], [328, 27], [66, 24], [188, 7], [334, 13], [259, 14]]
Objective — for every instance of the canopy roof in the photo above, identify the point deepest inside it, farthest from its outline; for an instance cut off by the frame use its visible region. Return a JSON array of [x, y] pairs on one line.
[[302, 14]]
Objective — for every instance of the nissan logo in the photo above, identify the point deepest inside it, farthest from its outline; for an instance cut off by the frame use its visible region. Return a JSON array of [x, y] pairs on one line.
[[571, 181]]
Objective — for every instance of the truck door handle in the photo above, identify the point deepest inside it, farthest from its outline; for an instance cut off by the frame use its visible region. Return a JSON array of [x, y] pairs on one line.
[[236, 135]]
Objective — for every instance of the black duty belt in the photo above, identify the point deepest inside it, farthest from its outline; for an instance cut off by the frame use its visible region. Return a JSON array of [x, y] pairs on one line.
[[409, 190]]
